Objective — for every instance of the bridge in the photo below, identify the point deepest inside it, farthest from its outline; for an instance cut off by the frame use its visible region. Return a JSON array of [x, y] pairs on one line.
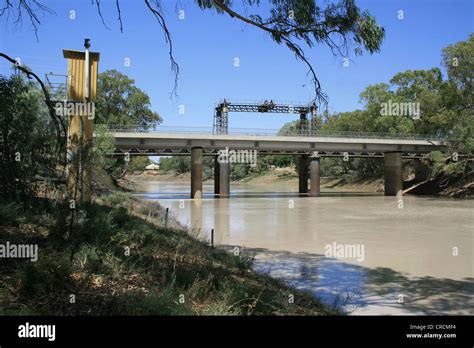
[[309, 146]]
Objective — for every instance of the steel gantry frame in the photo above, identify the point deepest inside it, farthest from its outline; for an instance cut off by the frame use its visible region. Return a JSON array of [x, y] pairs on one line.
[[221, 112]]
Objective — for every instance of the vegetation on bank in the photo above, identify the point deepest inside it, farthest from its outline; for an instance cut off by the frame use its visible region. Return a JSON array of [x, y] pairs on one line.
[[117, 257]]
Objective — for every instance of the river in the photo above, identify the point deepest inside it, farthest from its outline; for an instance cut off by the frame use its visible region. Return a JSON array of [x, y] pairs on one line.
[[365, 253]]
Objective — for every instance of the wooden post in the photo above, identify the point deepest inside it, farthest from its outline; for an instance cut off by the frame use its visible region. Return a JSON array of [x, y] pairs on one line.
[[81, 121]]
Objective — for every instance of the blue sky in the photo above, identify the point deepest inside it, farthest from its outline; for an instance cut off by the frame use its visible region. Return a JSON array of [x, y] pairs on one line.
[[206, 44]]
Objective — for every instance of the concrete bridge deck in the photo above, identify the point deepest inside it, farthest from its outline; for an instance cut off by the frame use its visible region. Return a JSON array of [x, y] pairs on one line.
[[272, 143]]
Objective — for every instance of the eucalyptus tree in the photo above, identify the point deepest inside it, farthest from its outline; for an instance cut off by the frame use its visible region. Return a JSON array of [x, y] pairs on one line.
[[341, 25]]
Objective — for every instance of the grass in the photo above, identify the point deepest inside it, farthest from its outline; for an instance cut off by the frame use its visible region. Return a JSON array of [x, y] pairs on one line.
[[116, 258]]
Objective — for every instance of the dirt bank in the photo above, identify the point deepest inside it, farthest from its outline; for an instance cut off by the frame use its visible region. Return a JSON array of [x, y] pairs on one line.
[[442, 185], [280, 176]]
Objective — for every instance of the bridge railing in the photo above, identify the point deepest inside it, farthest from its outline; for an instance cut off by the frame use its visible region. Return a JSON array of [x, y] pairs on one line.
[[272, 132]]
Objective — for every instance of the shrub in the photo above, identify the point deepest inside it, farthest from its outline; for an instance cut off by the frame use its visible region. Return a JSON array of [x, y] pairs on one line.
[[117, 198], [50, 274], [10, 213]]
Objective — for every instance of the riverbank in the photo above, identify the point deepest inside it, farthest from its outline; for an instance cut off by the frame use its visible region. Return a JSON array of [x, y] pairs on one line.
[[327, 183], [441, 185], [117, 257], [285, 176]]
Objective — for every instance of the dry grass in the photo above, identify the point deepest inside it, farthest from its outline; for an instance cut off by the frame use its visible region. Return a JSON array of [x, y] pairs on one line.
[[122, 260]]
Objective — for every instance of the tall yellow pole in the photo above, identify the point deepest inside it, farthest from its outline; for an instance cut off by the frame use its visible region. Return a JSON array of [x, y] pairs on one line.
[[80, 96]]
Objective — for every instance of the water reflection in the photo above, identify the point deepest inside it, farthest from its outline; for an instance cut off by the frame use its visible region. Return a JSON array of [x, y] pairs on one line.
[[222, 220], [196, 214]]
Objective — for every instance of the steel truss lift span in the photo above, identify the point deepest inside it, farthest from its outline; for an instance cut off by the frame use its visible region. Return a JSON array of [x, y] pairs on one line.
[[221, 112]]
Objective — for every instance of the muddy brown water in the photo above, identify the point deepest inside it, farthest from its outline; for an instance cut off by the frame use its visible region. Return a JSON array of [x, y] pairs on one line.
[[365, 253]]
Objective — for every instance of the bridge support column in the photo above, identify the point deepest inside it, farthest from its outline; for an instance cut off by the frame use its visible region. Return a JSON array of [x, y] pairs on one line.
[[422, 171], [393, 173], [217, 176], [303, 173], [196, 172], [314, 174], [224, 180]]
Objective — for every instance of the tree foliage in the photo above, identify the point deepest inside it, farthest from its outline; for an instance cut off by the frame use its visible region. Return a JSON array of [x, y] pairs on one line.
[[446, 111], [138, 164], [178, 164], [27, 138], [121, 103], [339, 25]]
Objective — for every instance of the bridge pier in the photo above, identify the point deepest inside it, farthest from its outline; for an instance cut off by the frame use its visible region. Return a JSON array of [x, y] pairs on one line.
[[217, 176], [196, 172], [303, 173], [314, 174], [393, 173], [224, 180]]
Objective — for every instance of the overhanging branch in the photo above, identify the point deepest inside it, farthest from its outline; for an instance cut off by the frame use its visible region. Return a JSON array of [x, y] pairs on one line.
[[161, 21], [279, 35]]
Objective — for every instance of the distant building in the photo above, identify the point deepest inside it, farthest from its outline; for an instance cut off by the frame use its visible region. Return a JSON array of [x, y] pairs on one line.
[[152, 166]]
